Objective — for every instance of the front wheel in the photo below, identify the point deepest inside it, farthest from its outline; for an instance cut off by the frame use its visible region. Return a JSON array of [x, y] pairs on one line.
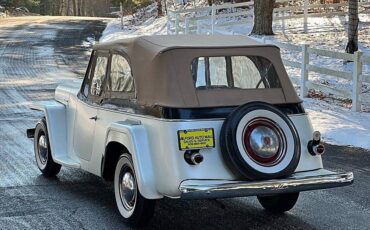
[[279, 203], [43, 154], [135, 209]]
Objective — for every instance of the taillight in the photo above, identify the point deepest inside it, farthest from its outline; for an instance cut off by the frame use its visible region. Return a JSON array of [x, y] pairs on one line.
[[264, 142]]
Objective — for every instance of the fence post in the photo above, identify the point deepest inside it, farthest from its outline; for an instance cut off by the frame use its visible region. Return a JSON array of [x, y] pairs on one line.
[[199, 29], [304, 70], [177, 23], [186, 25], [283, 21], [213, 18], [305, 11], [356, 82], [168, 22], [121, 14], [264, 40]]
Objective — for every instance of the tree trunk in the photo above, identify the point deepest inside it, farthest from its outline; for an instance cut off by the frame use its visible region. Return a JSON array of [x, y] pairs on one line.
[[352, 45], [263, 11], [165, 6], [159, 7], [17, 3], [74, 4], [78, 7]]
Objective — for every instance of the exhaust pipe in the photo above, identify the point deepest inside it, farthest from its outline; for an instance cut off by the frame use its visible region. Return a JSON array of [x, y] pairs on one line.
[[193, 157]]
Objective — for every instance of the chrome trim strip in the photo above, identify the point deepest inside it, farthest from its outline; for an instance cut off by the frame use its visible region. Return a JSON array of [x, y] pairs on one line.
[[146, 116], [205, 189], [156, 118]]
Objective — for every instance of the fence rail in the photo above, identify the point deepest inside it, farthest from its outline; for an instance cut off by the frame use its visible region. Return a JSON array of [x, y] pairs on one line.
[[355, 77], [206, 18], [210, 17]]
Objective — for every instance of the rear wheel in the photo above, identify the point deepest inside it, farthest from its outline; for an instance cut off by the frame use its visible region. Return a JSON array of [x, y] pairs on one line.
[[43, 154], [278, 203], [135, 209]]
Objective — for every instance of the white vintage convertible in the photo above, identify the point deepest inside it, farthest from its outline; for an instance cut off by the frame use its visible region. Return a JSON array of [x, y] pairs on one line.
[[192, 117]]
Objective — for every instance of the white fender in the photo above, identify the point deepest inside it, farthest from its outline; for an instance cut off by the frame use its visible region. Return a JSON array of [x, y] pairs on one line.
[[134, 137], [56, 120]]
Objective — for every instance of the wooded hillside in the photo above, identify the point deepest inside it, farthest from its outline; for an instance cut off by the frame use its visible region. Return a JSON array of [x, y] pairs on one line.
[[75, 7]]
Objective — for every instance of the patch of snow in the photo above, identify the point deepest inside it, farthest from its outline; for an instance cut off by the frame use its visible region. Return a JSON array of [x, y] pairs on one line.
[[339, 125], [90, 41], [150, 26]]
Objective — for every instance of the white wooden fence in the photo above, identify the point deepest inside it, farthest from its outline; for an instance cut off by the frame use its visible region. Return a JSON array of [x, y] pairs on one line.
[[195, 20], [355, 77], [212, 17], [118, 11], [313, 10]]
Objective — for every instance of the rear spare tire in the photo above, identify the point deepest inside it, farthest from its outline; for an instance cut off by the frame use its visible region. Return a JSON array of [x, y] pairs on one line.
[[258, 141]]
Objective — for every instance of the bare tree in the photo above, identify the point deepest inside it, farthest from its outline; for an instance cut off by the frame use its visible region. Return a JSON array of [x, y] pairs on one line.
[[263, 10], [165, 6], [75, 7], [352, 44], [74, 3], [159, 7]]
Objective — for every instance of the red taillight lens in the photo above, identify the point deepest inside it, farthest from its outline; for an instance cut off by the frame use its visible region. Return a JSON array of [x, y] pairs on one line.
[[263, 141]]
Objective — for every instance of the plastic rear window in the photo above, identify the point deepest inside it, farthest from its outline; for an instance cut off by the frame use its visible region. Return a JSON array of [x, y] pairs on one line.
[[240, 72]]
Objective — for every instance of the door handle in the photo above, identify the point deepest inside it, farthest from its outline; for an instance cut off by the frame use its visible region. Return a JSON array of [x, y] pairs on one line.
[[94, 118]]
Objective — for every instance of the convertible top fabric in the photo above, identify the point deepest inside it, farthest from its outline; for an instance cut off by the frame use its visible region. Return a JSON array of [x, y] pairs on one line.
[[161, 68]]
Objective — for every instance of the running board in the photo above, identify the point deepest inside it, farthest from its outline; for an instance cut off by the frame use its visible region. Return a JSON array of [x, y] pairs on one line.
[[67, 161]]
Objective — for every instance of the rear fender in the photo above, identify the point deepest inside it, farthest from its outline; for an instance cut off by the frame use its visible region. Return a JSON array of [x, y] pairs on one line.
[[134, 137]]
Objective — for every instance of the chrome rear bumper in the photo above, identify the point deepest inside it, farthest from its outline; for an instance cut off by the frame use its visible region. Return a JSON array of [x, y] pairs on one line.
[[302, 181]]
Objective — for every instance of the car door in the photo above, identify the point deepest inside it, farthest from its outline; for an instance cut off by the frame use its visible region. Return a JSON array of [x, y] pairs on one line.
[[87, 108]]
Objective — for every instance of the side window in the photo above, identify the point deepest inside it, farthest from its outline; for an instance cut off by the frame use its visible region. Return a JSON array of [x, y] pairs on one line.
[[86, 83], [98, 77], [120, 79]]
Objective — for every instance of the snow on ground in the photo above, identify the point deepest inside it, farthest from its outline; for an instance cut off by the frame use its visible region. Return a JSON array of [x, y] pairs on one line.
[[149, 27], [332, 117], [339, 125]]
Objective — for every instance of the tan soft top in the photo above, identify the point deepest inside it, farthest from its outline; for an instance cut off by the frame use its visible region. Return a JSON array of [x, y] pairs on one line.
[[161, 69]]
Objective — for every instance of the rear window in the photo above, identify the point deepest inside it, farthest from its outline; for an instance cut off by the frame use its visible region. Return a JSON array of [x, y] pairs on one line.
[[240, 72]]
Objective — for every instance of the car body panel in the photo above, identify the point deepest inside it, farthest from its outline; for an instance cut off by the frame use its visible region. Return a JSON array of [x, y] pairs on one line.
[[56, 120], [134, 137], [151, 140]]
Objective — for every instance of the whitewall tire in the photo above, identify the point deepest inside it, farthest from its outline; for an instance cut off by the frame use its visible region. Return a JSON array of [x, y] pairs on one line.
[[134, 208], [44, 159]]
